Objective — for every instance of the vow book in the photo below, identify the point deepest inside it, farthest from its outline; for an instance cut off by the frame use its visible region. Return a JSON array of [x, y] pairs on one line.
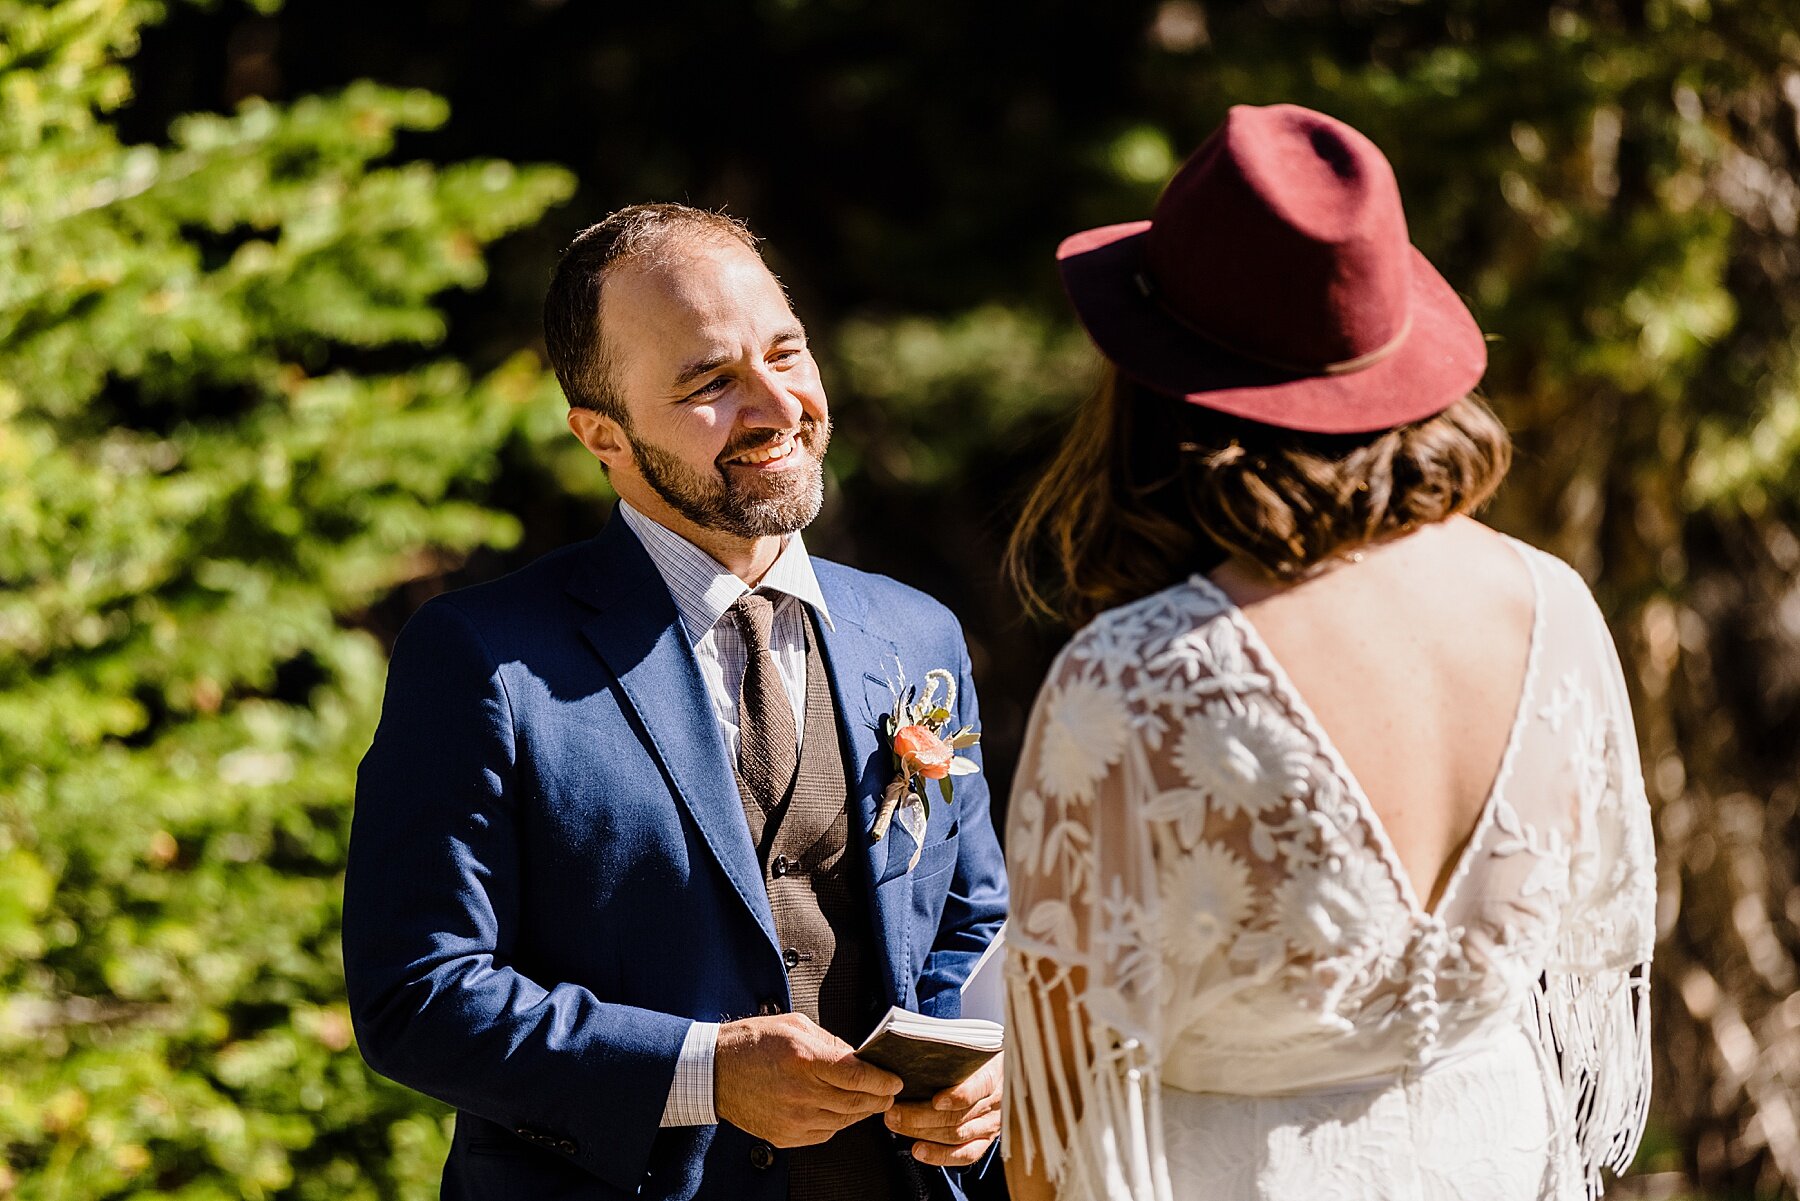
[[932, 1054]]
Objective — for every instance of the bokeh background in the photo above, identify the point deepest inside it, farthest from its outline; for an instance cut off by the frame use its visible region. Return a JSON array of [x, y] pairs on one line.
[[270, 376]]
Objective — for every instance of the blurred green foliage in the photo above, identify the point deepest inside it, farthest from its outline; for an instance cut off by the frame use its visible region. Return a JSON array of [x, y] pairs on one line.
[[253, 407], [223, 434]]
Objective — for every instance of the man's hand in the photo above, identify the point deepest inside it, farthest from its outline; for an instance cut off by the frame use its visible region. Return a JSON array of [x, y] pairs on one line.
[[791, 1083], [954, 1128]]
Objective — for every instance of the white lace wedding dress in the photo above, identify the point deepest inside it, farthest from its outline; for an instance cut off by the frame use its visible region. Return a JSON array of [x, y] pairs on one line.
[[1202, 889]]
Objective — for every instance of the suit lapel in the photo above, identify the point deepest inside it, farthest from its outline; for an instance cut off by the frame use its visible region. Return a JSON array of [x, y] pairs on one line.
[[637, 634], [857, 662]]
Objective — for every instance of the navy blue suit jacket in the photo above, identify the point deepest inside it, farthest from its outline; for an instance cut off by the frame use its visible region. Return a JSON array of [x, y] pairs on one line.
[[550, 876]]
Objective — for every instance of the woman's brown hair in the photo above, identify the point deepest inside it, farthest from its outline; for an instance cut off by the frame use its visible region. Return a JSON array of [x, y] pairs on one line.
[[1147, 489]]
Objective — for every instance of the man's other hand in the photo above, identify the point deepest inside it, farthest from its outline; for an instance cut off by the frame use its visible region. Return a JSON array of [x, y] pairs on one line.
[[791, 1083], [955, 1128]]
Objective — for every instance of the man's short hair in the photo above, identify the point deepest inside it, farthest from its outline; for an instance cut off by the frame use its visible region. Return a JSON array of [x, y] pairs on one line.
[[572, 305]]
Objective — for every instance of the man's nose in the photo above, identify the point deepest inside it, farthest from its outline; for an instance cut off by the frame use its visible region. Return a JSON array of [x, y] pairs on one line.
[[769, 404]]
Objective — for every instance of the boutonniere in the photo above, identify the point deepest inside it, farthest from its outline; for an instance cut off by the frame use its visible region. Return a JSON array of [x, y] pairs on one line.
[[917, 735]]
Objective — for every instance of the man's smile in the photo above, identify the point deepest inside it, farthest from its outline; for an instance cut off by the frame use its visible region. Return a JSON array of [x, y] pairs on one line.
[[768, 456]]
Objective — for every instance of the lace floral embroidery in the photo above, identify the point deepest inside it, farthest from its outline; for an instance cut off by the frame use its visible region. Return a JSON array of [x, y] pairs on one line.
[[1204, 900]]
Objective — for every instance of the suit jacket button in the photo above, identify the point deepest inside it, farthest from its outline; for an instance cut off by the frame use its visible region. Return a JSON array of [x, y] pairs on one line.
[[781, 867], [762, 1157], [527, 1133], [566, 1147], [791, 957], [769, 1009]]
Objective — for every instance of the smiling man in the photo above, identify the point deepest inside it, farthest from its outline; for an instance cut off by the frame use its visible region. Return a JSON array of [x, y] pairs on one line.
[[613, 891]]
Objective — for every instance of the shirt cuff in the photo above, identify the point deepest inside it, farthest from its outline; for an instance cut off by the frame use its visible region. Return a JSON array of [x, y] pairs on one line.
[[691, 1093]]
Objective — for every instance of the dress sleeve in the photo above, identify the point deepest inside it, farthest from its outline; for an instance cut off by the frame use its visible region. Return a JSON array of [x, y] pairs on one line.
[[1592, 1003], [1083, 974]]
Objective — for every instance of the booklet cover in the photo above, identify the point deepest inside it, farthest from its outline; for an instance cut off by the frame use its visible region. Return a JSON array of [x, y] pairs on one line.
[[932, 1054]]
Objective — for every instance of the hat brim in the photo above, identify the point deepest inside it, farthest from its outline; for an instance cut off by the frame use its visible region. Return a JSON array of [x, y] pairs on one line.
[[1443, 356]]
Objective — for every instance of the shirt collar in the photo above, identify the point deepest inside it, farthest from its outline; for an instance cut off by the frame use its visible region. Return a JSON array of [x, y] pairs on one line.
[[701, 586]]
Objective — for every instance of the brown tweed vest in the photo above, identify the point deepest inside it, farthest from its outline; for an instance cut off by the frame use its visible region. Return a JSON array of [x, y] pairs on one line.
[[814, 881]]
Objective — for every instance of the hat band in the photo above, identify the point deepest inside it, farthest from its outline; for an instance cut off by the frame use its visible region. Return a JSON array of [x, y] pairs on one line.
[[1361, 362]]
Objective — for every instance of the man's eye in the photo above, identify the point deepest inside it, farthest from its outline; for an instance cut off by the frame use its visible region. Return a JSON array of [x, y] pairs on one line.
[[787, 356], [711, 387]]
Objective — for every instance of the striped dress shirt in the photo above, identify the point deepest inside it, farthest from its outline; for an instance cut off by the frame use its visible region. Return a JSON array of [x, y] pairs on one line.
[[703, 592]]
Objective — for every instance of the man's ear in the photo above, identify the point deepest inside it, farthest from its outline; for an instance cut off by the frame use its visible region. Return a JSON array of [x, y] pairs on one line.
[[603, 436]]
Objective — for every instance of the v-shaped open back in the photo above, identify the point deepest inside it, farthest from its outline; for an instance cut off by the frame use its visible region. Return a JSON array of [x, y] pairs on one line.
[[1420, 902], [1222, 981]]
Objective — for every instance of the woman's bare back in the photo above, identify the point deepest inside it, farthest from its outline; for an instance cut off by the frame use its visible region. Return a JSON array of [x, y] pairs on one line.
[[1413, 660]]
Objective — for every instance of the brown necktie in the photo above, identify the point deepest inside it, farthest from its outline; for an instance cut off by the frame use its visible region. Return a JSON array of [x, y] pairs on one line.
[[768, 747]]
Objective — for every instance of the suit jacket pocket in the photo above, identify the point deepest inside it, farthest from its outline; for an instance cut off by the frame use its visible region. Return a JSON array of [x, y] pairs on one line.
[[936, 859], [931, 881]]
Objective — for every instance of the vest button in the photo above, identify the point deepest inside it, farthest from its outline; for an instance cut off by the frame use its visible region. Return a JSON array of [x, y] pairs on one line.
[[781, 867], [762, 1157], [791, 957]]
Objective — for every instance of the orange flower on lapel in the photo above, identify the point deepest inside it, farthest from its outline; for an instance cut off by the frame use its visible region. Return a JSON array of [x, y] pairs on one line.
[[918, 737], [923, 752]]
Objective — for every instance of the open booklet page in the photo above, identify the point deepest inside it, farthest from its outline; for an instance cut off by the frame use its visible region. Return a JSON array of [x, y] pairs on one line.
[[984, 992]]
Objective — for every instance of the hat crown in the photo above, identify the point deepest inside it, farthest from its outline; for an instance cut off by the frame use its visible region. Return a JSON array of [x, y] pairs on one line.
[[1276, 283], [1283, 238]]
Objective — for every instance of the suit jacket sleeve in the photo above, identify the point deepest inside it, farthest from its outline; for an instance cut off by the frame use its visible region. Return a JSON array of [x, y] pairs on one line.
[[976, 904], [431, 922]]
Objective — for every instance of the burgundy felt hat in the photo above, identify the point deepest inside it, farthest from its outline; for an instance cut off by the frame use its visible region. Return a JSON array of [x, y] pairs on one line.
[[1275, 282]]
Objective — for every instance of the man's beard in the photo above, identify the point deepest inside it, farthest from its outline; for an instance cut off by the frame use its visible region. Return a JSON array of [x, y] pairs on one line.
[[777, 504]]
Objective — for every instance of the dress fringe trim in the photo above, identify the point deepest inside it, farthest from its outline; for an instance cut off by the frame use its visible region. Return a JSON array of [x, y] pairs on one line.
[[1088, 1109], [1593, 1032]]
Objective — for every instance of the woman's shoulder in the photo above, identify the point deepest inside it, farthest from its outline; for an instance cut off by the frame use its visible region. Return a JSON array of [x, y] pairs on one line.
[[1139, 633], [1484, 562], [1543, 562], [1563, 591]]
